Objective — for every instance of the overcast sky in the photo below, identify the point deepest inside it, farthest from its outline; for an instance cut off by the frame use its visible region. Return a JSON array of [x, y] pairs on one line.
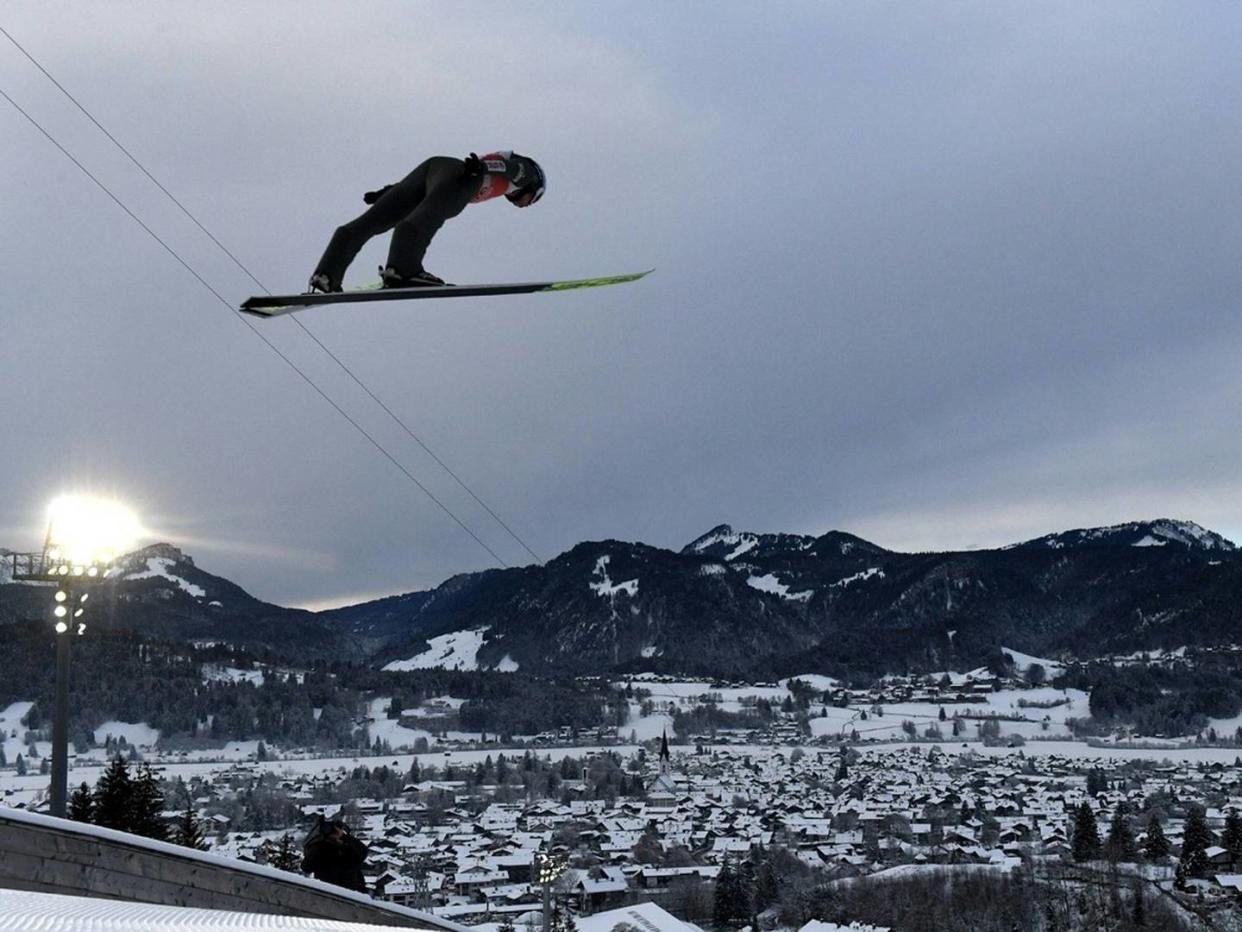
[[943, 275]]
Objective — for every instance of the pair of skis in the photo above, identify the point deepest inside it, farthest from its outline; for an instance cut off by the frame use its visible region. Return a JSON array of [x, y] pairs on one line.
[[276, 305]]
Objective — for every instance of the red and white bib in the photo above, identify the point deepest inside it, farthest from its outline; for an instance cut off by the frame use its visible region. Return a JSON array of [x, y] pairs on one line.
[[495, 182]]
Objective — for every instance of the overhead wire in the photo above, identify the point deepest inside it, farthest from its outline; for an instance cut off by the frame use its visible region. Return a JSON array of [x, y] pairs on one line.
[[236, 261], [322, 394]]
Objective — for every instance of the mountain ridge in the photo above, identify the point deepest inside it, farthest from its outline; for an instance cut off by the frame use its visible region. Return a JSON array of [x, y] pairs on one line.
[[733, 603]]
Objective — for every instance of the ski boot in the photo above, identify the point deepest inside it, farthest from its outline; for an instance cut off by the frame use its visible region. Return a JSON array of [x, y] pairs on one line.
[[320, 284], [394, 279]]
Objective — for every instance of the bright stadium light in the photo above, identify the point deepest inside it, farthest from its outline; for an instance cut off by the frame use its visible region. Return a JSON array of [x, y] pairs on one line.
[[85, 535], [84, 531]]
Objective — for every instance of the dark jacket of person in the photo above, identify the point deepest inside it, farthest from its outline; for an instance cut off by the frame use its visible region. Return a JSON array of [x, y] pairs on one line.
[[331, 854]]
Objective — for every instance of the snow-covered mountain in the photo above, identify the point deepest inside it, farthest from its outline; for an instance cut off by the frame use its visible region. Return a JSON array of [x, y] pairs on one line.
[[732, 603], [738, 602], [1162, 532], [159, 592]]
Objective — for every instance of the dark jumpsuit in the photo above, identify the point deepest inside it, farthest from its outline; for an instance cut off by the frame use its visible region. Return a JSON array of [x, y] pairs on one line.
[[416, 207]]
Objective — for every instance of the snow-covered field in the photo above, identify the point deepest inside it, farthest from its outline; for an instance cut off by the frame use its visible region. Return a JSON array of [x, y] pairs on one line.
[[925, 714], [1024, 661], [136, 734], [454, 651], [687, 692], [380, 726]]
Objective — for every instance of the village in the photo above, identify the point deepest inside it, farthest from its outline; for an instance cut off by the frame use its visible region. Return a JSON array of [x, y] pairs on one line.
[[972, 774], [833, 814]]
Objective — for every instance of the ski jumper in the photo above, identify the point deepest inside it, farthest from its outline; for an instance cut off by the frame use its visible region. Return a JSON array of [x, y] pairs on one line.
[[418, 205]]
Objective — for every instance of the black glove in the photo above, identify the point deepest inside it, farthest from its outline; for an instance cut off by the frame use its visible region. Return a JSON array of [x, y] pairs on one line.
[[372, 196], [475, 167]]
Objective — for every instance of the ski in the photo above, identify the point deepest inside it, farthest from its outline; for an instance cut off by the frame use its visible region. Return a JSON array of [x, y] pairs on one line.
[[276, 305]]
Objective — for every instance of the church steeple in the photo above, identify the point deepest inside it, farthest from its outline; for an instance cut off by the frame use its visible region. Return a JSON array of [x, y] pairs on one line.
[[664, 755]]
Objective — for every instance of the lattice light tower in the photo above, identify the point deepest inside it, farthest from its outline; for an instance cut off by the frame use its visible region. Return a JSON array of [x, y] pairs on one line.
[[548, 868], [84, 537]]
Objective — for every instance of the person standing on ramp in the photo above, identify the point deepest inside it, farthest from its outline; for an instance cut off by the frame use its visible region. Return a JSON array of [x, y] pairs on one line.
[[415, 208]]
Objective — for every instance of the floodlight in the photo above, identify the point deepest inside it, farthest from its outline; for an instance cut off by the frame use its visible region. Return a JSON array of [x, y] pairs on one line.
[[84, 530], [61, 627], [61, 611], [61, 595]]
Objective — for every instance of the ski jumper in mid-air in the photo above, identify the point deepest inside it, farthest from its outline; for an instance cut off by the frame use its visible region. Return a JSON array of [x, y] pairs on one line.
[[415, 208]]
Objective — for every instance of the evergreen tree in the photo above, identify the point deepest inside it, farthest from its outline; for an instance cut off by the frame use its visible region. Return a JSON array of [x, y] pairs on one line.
[[1155, 845], [1085, 843], [1138, 915], [843, 770], [189, 831], [726, 897], [286, 857], [20, 764], [113, 795], [1120, 844], [1232, 838], [767, 885], [82, 804], [1195, 840], [147, 806], [4, 761], [1096, 781]]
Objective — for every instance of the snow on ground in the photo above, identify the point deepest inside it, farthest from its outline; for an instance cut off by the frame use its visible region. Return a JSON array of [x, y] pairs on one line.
[[643, 728], [770, 583], [456, 650], [1080, 750], [507, 664], [1023, 662], [213, 671], [160, 566], [437, 705], [860, 577], [740, 542], [137, 734], [12, 731], [1225, 727], [1147, 656], [380, 726], [51, 912], [686, 693], [814, 680], [605, 587], [1071, 703]]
